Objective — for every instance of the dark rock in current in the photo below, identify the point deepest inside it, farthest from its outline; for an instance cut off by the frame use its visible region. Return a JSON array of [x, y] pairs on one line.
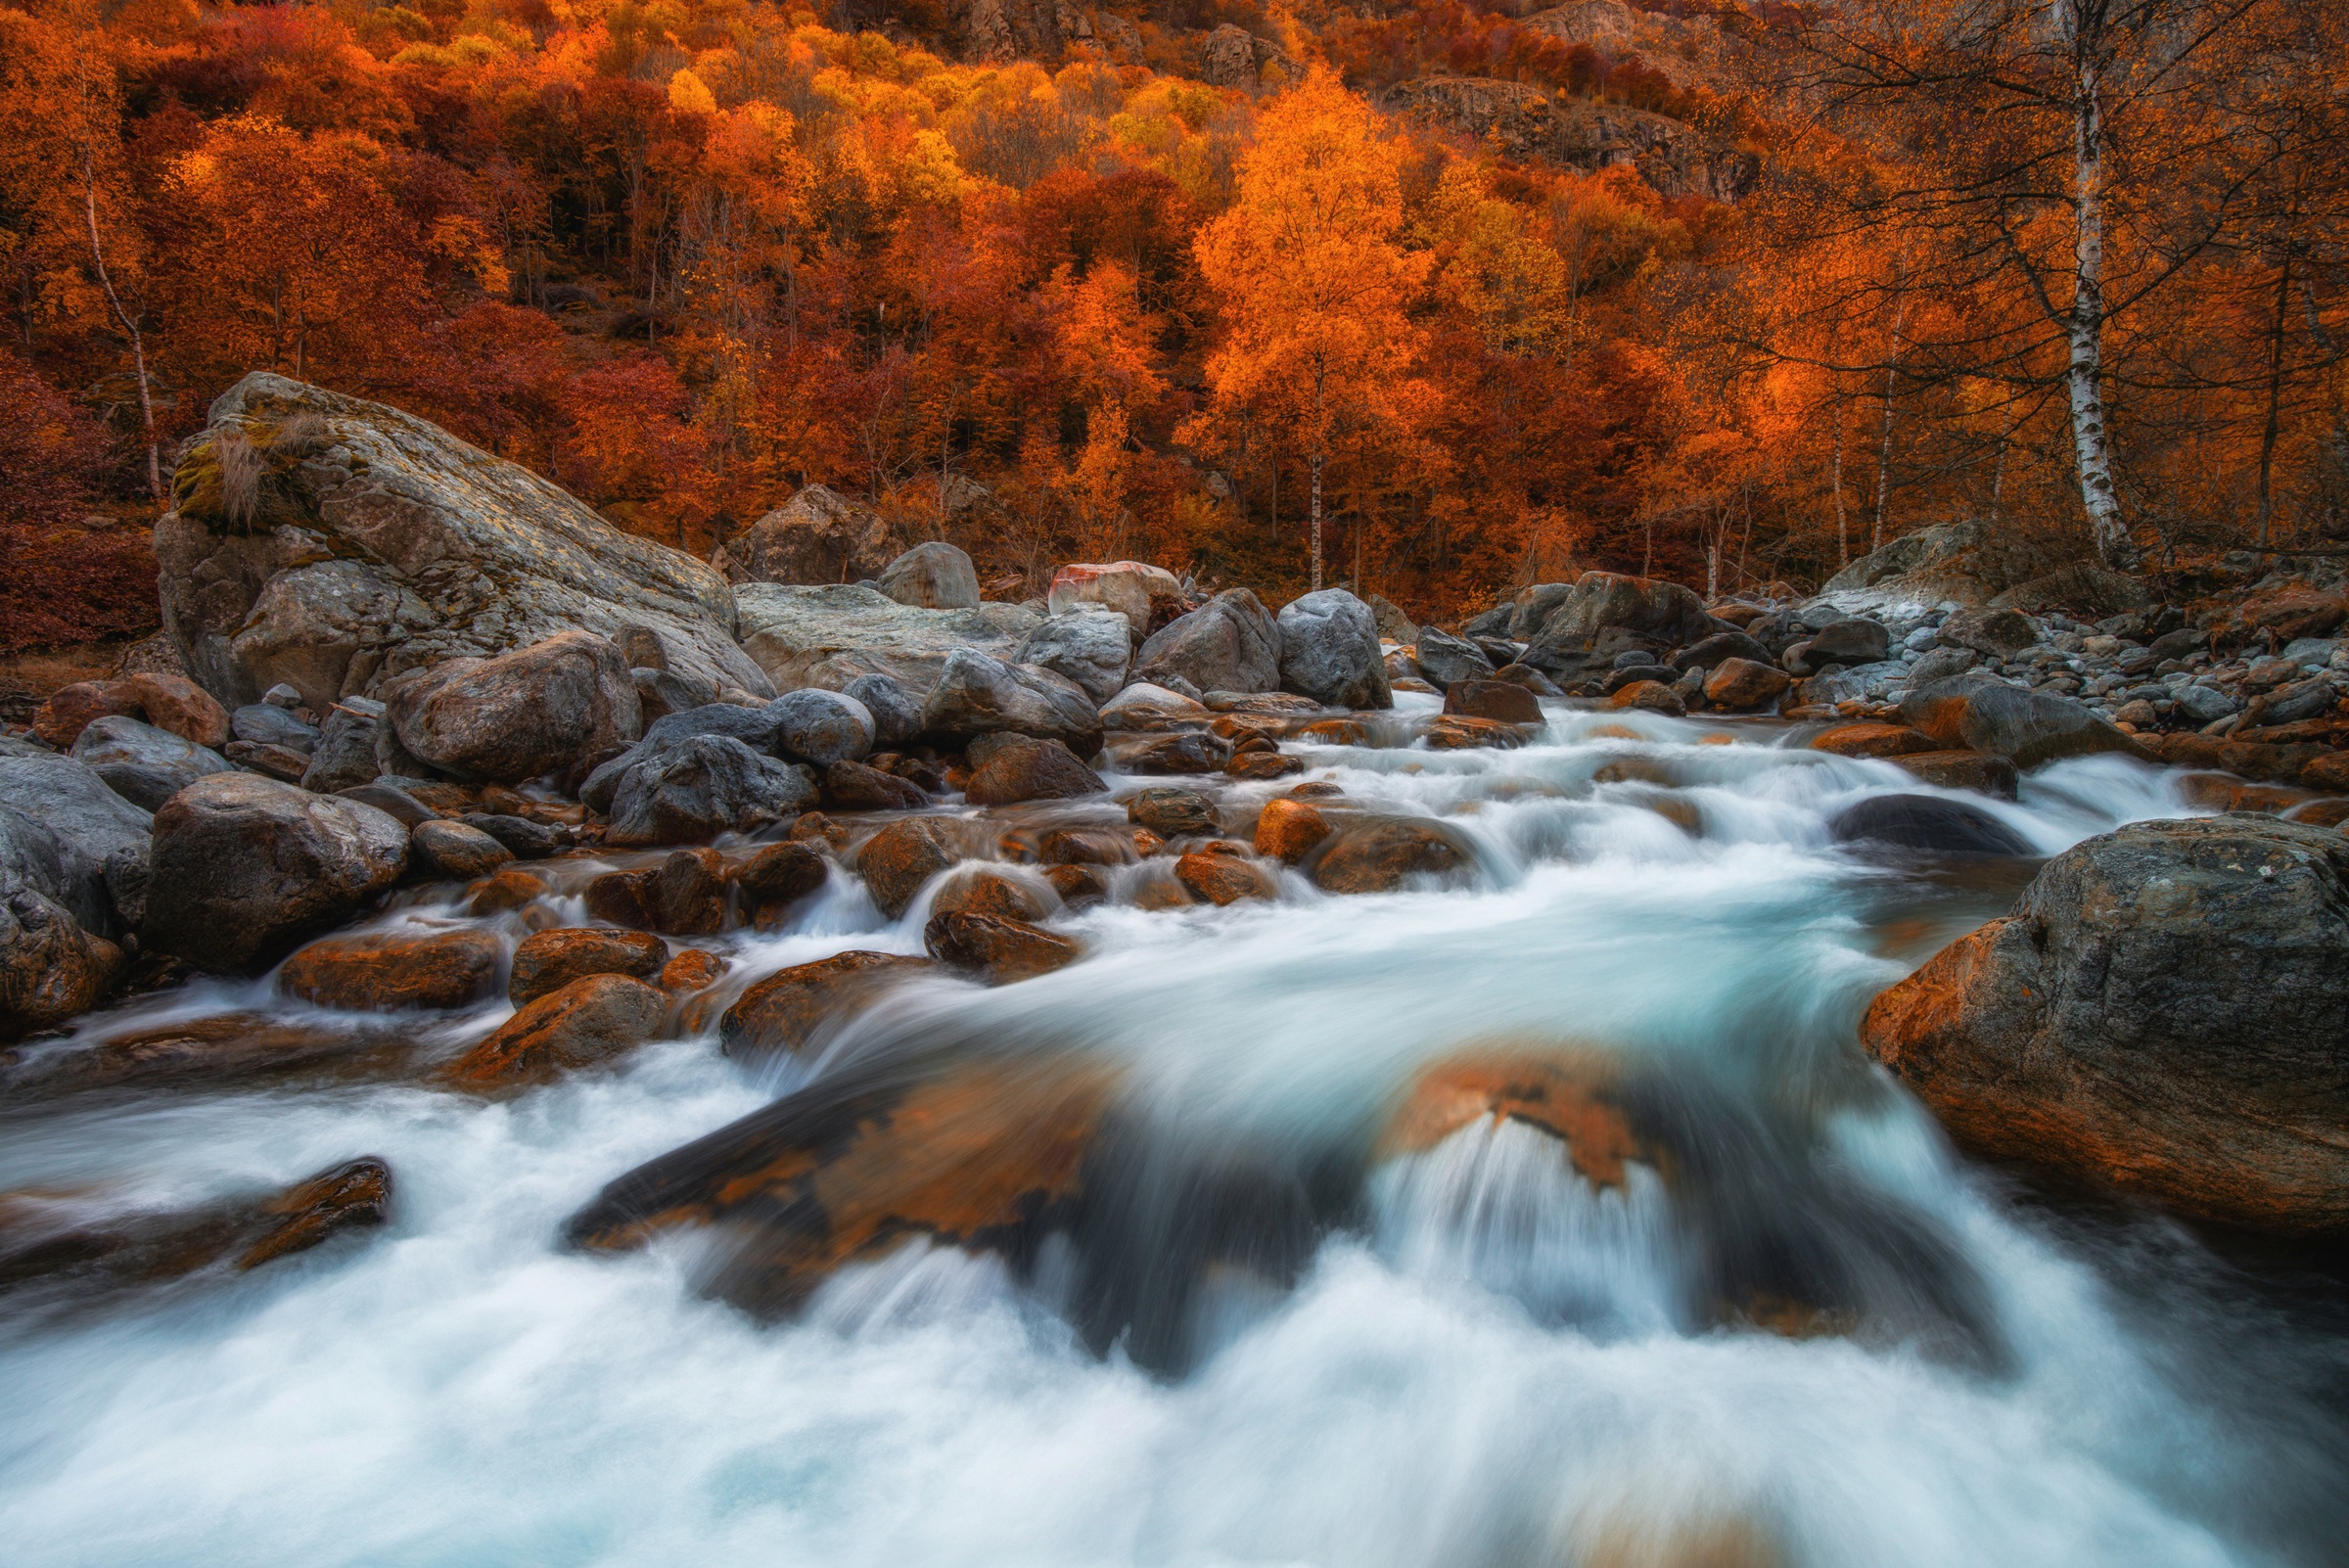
[[1380, 856], [588, 1021], [1963, 770], [385, 971], [1019, 767], [1197, 752], [1502, 700], [703, 787], [1004, 948], [546, 961], [1926, 824], [784, 1011], [1174, 813]]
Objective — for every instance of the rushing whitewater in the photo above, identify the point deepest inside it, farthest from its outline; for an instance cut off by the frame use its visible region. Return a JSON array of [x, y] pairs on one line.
[[1805, 1332]]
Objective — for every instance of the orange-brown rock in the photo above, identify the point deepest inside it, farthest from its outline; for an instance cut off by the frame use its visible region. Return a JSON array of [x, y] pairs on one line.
[[451, 850], [1571, 1100], [1336, 732], [897, 861], [1457, 732], [1086, 846], [1963, 770], [1649, 696], [2327, 812], [1315, 789], [1286, 830], [1077, 883], [69, 710], [778, 874], [783, 1011], [988, 893], [51, 969], [552, 959], [1173, 813], [2222, 791], [589, 1021], [510, 888], [1634, 771], [357, 1192], [1738, 684], [1220, 879], [389, 970], [1502, 700], [691, 970], [1377, 856], [222, 1047], [2167, 1010], [814, 827], [1005, 949], [687, 895], [1261, 766], [177, 704], [1873, 740]]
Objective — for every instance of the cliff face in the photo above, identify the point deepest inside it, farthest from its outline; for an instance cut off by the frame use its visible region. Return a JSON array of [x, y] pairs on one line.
[[1526, 124], [1046, 29]]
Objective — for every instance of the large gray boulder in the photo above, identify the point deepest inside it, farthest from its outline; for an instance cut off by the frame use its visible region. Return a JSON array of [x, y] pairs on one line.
[[1607, 614], [1329, 651], [2166, 1010], [1147, 596], [98, 840], [818, 537], [142, 763], [245, 868], [822, 727], [697, 789], [1981, 714], [977, 695], [369, 543], [828, 636], [1445, 658], [896, 713], [1090, 644], [535, 711], [755, 728], [1230, 643], [933, 575]]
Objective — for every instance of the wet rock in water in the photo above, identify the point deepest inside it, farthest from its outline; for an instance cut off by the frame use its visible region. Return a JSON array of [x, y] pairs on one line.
[[549, 960], [384, 971], [1231, 643], [1578, 1103], [855, 787], [1459, 733], [897, 861], [1443, 658], [814, 827], [2000, 634], [142, 763], [1606, 615], [2028, 728], [684, 896], [1144, 707], [1378, 856], [1085, 847], [455, 851], [1649, 696], [237, 1234], [1851, 641], [348, 740], [525, 838], [896, 713], [1329, 651], [1337, 732], [690, 971], [784, 1011], [1288, 830], [988, 893], [1872, 739], [1502, 700], [393, 802], [509, 890], [2167, 1010], [1005, 949], [977, 695], [933, 576], [222, 1047], [1262, 765], [589, 1021], [1220, 879], [1091, 645], [244, 869], [1530, 679], [703, 787], [1147, 597], [1963, 770], [1197, 752], [1174, 813], [1078, 884], [520, 715], [822, 727], [1927, 825], [779, 874], [51, 969], [1739, 683], [68, 711], [830, 636], [1019, 767]]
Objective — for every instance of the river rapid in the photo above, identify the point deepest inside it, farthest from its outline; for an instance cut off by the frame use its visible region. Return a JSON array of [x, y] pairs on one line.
[[1811, 1333]]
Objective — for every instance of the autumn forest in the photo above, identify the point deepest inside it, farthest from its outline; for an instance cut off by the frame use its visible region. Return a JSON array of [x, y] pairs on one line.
[[1433, 300]]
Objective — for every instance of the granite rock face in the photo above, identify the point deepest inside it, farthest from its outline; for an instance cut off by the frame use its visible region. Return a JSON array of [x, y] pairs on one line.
[[830, 636], [332, 543]]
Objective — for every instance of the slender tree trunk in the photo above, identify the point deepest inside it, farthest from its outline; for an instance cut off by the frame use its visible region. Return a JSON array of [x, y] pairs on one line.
[[129, 323], [2267, 435], [1892, 370], [1321, 443], [1843, 533], [2085, 325], [1998, 471]]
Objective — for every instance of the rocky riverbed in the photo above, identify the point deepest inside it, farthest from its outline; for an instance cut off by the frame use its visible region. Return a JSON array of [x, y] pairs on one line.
[[741, 1068]]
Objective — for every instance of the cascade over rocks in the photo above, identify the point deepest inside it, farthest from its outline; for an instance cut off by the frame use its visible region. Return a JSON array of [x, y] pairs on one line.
[[520, 714], [1001, 948], [829, 636], [2167, 1010], [1229, 644], [1377, 856], [1926, 824], [245, 867], [379, 543], [1329, 651]]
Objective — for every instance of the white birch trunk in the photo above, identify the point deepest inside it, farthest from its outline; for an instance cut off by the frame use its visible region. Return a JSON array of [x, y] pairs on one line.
[[2085, 328]]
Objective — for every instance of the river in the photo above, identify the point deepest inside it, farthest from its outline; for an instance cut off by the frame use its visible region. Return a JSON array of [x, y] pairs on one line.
[[1808, 1332]]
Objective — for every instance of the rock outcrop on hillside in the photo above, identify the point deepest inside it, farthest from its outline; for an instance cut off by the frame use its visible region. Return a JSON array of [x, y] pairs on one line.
[[1527, 124], [818, 535], [332, 543], [829, 636]]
